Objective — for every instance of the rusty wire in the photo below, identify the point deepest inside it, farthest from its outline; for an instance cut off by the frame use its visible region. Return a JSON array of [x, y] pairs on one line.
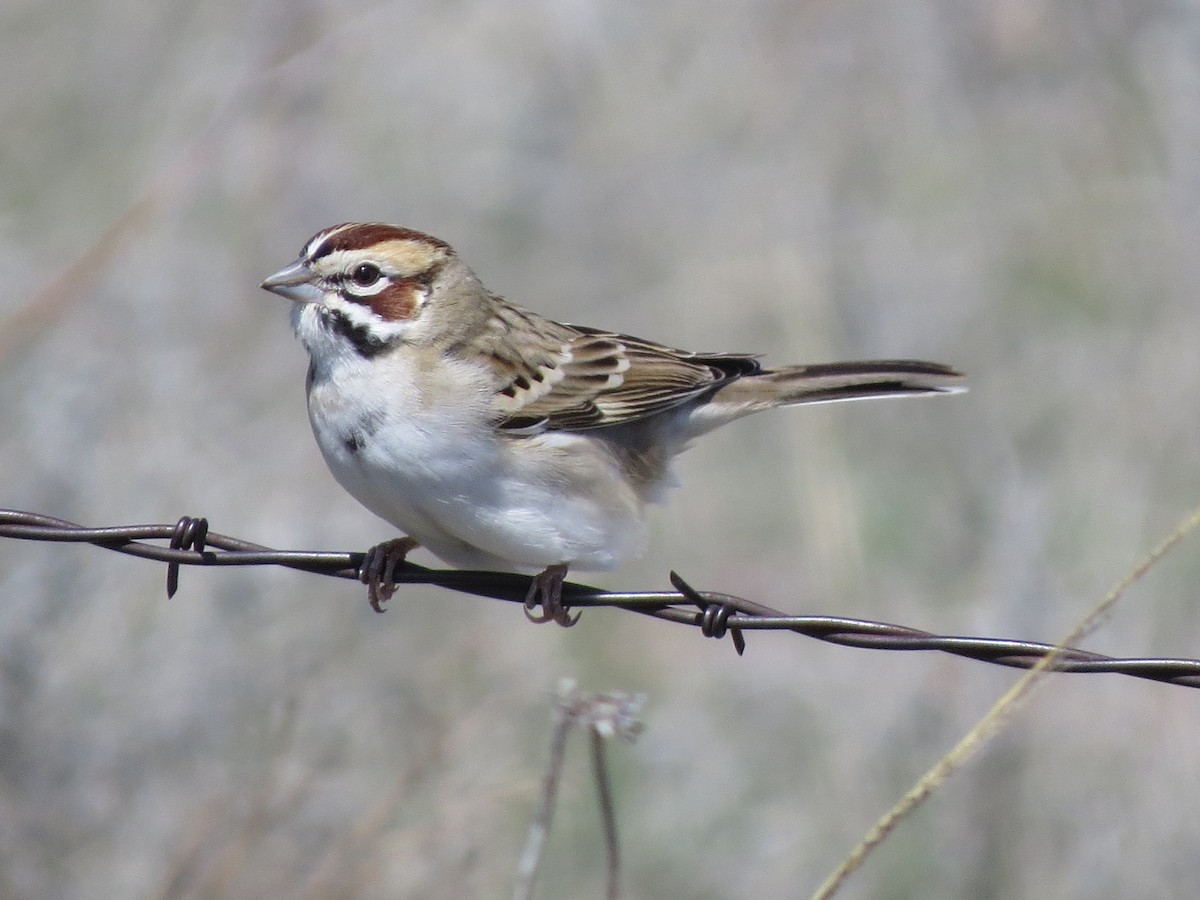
[[190, 543]]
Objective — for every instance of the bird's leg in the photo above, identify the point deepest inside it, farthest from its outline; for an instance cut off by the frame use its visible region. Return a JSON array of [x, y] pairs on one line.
[[545, 590], [378, 569]]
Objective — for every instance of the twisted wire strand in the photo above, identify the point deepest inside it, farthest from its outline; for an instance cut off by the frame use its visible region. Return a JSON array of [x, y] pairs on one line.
[[715, 614]]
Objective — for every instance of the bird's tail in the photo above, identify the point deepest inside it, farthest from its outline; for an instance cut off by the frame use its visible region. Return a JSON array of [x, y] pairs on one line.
[[824, 383]]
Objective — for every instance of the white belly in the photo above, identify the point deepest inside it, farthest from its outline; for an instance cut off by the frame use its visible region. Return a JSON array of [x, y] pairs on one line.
[[474, 498]]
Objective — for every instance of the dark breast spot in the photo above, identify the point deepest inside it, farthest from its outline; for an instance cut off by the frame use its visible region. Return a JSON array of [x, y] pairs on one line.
[[355, 438]]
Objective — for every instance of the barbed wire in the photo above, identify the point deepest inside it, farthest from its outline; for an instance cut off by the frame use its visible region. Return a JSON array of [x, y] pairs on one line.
[[715, 614]]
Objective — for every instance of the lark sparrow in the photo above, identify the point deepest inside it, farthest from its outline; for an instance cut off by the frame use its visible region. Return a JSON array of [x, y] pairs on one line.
[[497, 438]]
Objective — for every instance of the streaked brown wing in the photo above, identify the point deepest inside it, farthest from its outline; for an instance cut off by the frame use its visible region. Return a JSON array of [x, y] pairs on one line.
[[565, 377]]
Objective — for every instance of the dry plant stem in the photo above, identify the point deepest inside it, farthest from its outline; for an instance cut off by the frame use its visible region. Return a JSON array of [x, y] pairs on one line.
[[56, 297], [49, 304], [606, 715], [531, 856], [608, 814], [994, 720]]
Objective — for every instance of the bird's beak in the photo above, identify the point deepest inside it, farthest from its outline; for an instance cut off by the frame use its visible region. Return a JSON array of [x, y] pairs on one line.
[[294, 282]]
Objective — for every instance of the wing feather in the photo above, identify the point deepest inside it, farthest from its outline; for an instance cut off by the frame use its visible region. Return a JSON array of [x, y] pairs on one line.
[[564, 377]]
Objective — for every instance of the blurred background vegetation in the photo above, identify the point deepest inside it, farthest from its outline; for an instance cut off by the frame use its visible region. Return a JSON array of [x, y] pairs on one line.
[[1011, 187]]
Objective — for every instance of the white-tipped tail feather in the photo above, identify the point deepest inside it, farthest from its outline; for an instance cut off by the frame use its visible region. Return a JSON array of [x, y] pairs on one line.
[[824, 383]]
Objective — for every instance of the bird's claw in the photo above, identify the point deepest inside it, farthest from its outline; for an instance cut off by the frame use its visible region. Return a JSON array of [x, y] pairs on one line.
[[378, 569], [545, 590]]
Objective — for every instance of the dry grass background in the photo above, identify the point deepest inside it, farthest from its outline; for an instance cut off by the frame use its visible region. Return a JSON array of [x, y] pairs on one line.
[[1011, 187]]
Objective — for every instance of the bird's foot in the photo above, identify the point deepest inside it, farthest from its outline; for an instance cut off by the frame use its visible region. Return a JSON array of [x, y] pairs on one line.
[[378, 569], [545, 590]]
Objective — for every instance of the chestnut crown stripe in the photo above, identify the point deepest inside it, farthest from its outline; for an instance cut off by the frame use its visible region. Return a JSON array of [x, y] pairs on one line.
[[357, 236]]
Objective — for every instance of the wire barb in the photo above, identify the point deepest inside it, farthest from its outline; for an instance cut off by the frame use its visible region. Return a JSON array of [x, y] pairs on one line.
[[189, 534], [715, 614]]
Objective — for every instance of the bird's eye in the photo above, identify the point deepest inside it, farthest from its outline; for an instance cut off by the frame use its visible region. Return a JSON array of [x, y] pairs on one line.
[[365, 275]]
